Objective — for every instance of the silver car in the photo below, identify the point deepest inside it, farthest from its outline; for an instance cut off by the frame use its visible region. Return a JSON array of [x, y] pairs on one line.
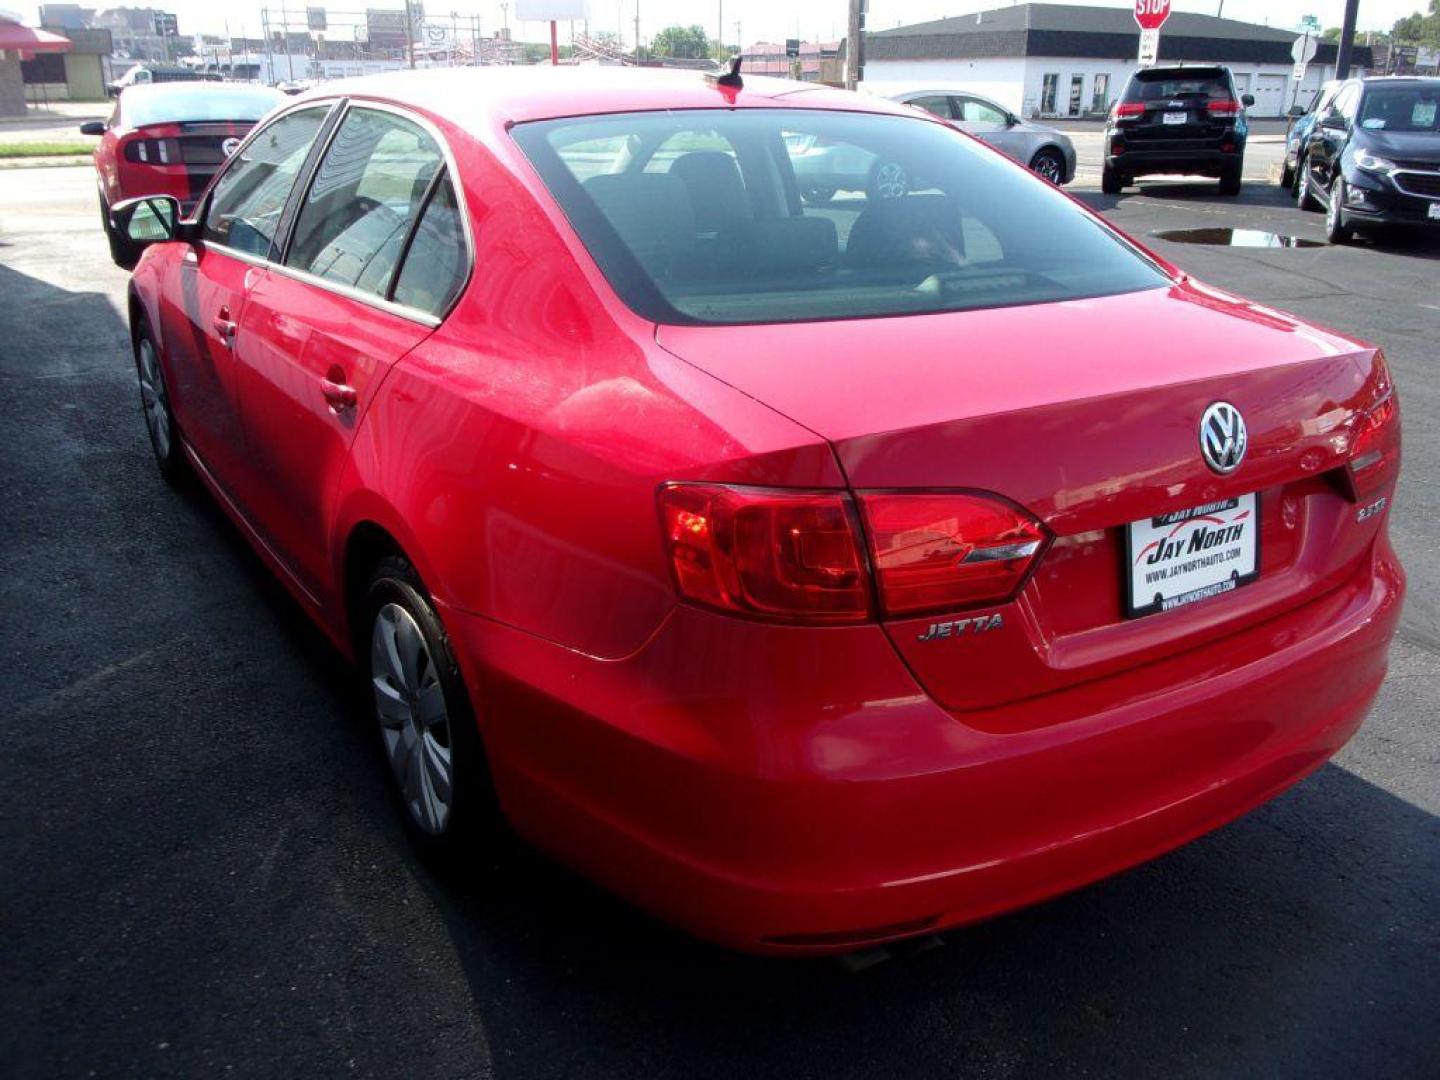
[[1045, 150]]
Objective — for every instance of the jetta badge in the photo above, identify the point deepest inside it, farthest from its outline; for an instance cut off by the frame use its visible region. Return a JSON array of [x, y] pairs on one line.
[[229, 146], [1223, 439]]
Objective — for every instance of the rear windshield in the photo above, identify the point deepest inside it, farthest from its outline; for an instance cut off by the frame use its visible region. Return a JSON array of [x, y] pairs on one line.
[[780, 215], [182, 103], [1201, 83], [1411, 107]]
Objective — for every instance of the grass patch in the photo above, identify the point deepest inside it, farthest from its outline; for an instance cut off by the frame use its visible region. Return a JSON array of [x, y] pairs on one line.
[[42, 149]]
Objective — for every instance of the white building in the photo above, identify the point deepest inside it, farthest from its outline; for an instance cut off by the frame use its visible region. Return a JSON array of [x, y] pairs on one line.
[[1063, 60]]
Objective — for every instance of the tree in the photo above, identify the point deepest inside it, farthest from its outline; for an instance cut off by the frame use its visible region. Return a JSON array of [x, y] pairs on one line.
[[1419, 29], [685, 42]]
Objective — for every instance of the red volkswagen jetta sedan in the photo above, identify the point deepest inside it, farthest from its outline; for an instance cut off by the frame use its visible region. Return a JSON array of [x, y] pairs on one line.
[[811, 575]]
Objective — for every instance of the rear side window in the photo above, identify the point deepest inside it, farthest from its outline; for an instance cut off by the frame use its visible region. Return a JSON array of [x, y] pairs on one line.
[[1158, 85], [354, 220], [245, 209], [815, 214], [435, 264]]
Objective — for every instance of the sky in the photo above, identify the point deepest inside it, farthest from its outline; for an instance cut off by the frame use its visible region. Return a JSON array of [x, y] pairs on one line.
[[767, 20]]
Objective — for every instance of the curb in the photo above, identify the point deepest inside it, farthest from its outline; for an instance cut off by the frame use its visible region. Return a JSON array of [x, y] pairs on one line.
[[60, 162]]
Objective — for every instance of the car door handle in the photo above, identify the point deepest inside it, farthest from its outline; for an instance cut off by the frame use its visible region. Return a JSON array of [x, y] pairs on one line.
[[225, 327], [339, 394]]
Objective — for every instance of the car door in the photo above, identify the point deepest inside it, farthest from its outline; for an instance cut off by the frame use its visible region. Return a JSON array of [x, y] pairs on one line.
[[989, 122], [325, 326], [204, 302], [1331, 133]]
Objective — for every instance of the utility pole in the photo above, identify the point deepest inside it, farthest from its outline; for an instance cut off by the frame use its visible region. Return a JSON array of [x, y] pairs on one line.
[[409, 34], [720, 29], [637, 31], [855, 44], [1347, 39]]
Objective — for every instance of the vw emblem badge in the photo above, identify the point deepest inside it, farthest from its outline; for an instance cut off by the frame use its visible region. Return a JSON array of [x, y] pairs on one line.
[[229, 146], [1223, 438]]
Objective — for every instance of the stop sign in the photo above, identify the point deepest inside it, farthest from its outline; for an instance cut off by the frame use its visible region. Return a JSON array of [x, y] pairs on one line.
[[1151, 14]]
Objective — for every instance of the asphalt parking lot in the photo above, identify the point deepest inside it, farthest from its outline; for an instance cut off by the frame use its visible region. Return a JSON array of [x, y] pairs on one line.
[[202, 875]]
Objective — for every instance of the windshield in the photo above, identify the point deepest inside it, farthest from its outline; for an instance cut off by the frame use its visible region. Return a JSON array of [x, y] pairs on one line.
[[780, 215], [1401, 108], [171, 103]]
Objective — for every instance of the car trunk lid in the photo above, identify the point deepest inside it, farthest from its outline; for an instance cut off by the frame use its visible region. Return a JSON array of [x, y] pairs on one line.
[[1087, 414]]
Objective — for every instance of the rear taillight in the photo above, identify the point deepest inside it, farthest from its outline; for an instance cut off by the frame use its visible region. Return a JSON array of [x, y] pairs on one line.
[[1375, 451], [1223, 107], [764, 552], [152, 151], [1130, 108], [936, 551]]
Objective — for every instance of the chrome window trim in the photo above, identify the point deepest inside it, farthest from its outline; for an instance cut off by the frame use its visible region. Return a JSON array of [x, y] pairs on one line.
[[369, 299]]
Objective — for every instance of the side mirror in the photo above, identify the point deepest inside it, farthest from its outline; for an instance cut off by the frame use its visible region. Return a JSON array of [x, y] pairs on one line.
[[1247, 100], [1295, 112], [151, 219], [1334, 123], [93, 127], [1011, 119]]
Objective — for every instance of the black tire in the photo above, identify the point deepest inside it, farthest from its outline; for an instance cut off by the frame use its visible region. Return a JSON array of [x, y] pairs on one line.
[[160, 423], [470, 807], [1304, 197], [1230, 179], [1336, 230], [1111, 182], [123, 252], [818, 194], [1050, 165]]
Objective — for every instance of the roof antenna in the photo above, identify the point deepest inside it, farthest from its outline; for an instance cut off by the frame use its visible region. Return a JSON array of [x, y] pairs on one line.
[[731, 77]]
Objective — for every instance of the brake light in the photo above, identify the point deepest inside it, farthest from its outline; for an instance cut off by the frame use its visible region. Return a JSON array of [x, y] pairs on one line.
[[765, 552], [152, 151], [1375, 452], [1130, 108], [934, 551], [1223, 107]]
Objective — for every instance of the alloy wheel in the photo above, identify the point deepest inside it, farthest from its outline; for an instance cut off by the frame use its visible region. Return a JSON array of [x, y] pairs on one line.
[[414, 722], [1048, 167], [154, 400]]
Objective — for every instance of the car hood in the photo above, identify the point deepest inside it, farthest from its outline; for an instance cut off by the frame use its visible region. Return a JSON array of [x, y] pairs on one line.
[[1409, 145]]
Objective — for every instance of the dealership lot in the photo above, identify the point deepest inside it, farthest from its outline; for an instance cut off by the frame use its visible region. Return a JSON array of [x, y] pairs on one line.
[[203, 874]]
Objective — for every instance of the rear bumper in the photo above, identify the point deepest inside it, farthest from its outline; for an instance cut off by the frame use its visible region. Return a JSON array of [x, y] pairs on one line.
[[1147, 162], [776, 795]]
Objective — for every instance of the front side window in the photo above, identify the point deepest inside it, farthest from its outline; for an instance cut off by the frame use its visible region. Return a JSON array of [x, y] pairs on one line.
[[245, 208], [982, 114], [354, 219], [916, 218]]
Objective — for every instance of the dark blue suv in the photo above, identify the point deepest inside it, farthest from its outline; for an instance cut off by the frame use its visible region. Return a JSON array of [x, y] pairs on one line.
[[1373, 158]]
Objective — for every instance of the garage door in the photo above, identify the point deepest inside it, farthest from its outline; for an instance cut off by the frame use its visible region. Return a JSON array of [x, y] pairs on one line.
[[1269, 91]]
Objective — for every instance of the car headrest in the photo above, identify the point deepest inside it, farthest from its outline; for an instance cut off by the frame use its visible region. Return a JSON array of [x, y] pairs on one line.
[[651, 212]]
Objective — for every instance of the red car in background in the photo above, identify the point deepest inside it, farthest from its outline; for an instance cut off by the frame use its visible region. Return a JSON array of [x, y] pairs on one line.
[[812, 575], [170, 139]]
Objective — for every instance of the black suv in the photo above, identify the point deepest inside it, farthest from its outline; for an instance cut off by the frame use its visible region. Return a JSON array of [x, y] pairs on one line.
[[1373, 157], [1177, 120]]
